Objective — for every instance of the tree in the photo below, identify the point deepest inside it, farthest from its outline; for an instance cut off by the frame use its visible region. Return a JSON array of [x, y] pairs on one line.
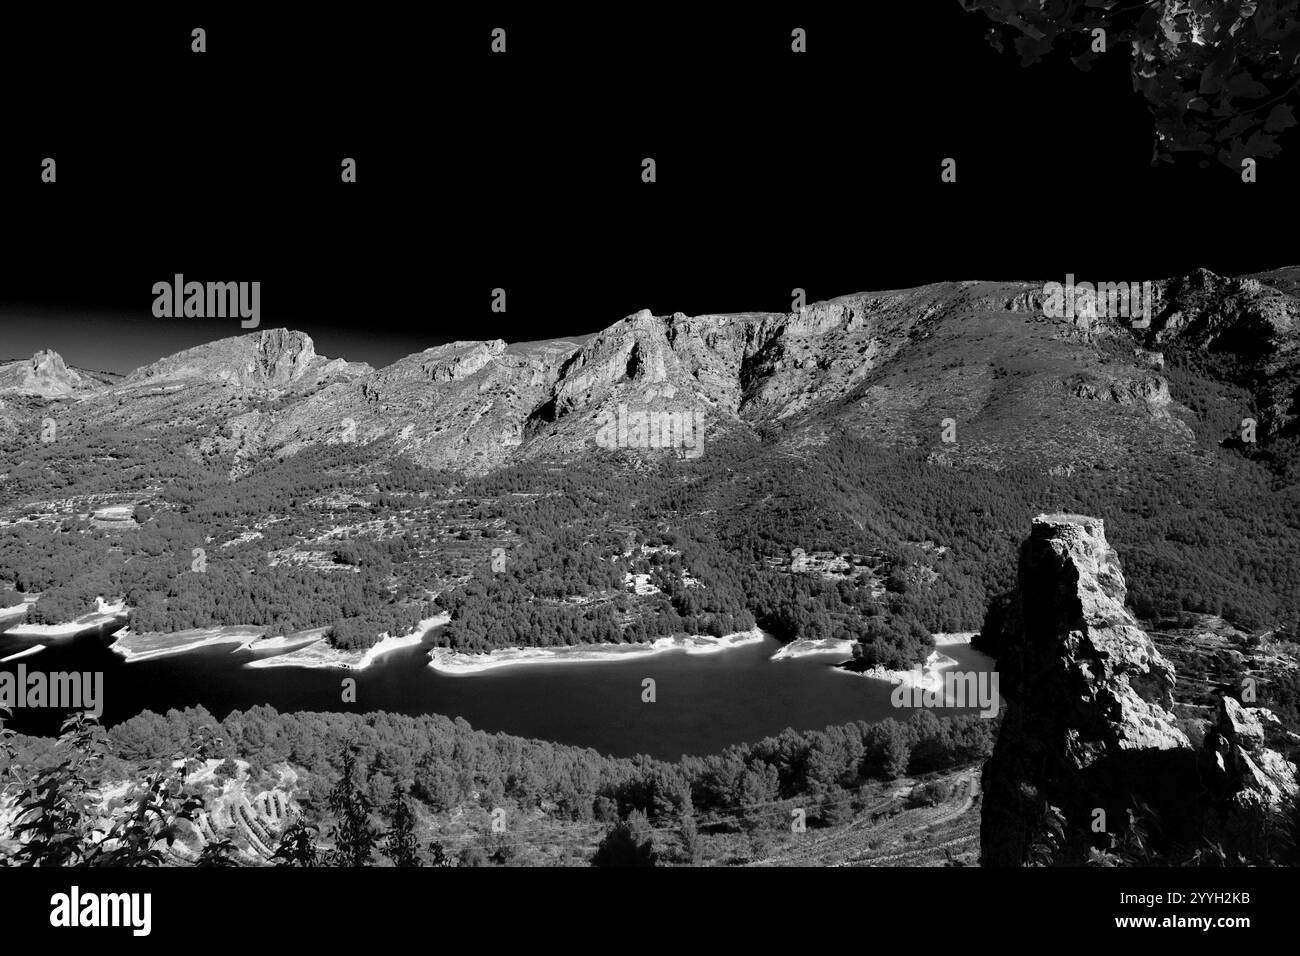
[[53, 819], [889, 748], [135, 838], [438, 856], [297, 846], [354, 840], [628, 843], [219, 854], [55, 822], [1215, 75], [757, 791], [400, 844], [690, 837]]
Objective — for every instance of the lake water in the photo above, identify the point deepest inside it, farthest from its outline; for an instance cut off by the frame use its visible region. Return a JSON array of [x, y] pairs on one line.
[[704, 702]]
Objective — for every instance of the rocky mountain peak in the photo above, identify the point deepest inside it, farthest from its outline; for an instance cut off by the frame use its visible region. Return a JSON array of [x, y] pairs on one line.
[[48, 362], [1071, 594], [45, 375], [268, 358]]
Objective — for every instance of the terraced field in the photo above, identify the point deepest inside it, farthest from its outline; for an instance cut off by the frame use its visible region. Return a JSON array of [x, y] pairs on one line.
[[890, 832]]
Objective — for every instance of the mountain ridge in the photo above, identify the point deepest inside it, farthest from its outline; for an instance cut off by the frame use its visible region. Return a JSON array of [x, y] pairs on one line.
[[891, 366]]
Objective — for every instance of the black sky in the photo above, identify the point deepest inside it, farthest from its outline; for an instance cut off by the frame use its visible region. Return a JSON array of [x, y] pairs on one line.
[[523, 172]]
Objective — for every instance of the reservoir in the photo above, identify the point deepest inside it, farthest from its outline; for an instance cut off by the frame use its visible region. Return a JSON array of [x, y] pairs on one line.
[[703, 703]]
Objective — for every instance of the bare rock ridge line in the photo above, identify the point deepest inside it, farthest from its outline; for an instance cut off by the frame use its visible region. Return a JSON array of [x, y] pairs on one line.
[[886, 366], [1089, 734]]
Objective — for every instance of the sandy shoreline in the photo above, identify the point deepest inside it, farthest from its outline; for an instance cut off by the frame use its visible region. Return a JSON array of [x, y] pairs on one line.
[[300, 649], [928, 679], [804, 647], [959, 637], [15, 610], [104, 614], [143, 647], [285, 642], [34, 649], [318, 653], [928, 676], [453, 663]]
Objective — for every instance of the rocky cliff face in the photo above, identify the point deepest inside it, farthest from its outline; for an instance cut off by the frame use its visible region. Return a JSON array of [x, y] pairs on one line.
[[221, 391], [1241, 764], [272, 358], [463, 404], [1249, 327], [1089, 735]]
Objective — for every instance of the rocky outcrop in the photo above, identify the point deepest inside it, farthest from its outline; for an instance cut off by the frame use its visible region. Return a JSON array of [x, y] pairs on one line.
[[1088, 736], [1249, 329], [1241, 763], [1144, 359], [271, 358], [44, 375], [458, 360], [632, 360], [1147, 389]]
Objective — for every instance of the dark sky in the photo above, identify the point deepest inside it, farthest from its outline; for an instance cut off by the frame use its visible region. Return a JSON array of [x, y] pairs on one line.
[[523, 171]]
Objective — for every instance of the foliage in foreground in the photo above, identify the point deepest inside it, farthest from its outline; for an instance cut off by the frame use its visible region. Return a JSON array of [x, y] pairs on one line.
[[396, 775]]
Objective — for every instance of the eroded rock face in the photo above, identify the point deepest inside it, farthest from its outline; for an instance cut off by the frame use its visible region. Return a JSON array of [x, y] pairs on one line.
[[1089, 734], [1148, 389], [1239, 765], [458, 360], [272, 358], [44, 375], [1255, 323], [1088, 724], [1088, 698]]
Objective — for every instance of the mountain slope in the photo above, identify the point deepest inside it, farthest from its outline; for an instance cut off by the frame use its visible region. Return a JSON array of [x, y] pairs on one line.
[[978, 362]]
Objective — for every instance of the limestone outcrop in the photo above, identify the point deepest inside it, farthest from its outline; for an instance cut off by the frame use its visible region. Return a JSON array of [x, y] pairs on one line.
[[1089, 742], [270, 358], [44, 375]]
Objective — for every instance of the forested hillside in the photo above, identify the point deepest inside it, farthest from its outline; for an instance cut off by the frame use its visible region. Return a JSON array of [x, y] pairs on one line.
[[544, 555], [827, 504], [442, 771]]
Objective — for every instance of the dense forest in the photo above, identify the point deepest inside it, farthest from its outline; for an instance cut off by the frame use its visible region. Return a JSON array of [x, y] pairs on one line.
[[545, 555], [944, 538], [185, 565], [438, 767], [385, 789]]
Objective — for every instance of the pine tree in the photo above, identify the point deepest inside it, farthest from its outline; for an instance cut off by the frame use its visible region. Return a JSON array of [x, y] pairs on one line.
[[400, 844], [690, 837], [628, 843]]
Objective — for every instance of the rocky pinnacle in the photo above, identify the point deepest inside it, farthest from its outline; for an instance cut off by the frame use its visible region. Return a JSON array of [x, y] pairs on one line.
[[1089, 740]]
